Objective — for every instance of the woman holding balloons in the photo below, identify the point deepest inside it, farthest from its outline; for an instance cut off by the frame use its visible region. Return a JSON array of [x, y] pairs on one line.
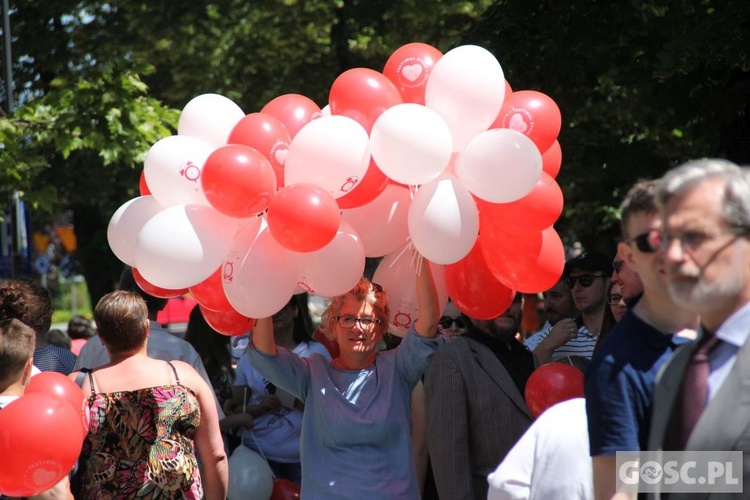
[[148, 417], [356, 437]]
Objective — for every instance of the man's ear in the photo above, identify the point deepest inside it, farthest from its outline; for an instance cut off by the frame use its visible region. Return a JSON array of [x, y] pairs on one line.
[[27, 372]]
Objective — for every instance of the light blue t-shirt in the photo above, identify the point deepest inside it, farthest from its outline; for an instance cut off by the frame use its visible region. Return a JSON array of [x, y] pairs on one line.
[[356, 427]]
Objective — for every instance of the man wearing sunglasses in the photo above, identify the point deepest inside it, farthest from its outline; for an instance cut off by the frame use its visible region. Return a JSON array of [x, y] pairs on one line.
[[619, 383]]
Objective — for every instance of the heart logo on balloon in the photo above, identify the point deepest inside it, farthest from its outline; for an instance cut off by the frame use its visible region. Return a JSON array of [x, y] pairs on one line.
[[280, 154], [412, 72], [517, 123], [42, 476]]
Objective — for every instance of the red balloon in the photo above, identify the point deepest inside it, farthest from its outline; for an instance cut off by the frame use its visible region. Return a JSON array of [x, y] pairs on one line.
[[303, 217], [532, 113], [474, 290], [372, 184], [333, 347], [40, 440], [534, 212], [58, 385], [283, 489], [210, 292], [552, 160], [409, 67], [156, 291], [266, 134], [551, 384], [293, 110], [227, 322], [142, 186], [527, 263], [363, 95], [238, 181]]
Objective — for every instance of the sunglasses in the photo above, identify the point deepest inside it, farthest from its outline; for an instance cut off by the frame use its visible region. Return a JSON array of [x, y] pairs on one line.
[[586, 280], [447, 322], [648, 242]]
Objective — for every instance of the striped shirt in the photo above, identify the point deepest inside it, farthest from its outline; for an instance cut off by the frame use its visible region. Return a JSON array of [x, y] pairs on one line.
[[583, 345], [52, 358]]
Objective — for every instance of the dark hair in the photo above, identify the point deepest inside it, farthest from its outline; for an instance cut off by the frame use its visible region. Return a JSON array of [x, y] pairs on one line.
[[17, 341], [79, 327], [641, 198], [212, 346], [128, 283], [58, 337], [302, 321], [122, 320], [28, 301], [608, 321]]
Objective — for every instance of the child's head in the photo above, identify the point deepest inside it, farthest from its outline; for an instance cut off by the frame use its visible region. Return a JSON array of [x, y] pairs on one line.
[[16, 350]]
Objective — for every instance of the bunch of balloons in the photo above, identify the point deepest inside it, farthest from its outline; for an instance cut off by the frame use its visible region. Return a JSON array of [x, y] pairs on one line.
[[41, 435], [435, 152]]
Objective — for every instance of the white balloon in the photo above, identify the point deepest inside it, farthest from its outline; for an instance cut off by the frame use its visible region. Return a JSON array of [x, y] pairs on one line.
[[382, 223], [183, 245], [250, 476], [127, 222], [500, 165], [332, 152], [173, 169], [335, 268], [263, 279], [467, 88], [411, 143], [443, 220], [396, 273], [210, 117]]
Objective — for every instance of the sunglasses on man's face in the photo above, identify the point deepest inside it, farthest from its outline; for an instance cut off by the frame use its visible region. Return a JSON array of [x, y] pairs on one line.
[[586, 280], [446, 322], [648, 242]]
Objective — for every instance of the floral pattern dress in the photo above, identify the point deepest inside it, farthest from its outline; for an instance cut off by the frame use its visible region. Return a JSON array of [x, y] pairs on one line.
[[140, 444]]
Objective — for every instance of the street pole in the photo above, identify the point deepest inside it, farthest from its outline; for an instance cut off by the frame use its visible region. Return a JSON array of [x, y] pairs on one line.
[[7, 39]]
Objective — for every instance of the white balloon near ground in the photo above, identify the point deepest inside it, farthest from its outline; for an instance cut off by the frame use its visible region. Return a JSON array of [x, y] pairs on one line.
[[250, 476], [210, 117], [183, 245], [335, 268], [127, 222], [332, 152], [173, 169], [467, 88], [381, 224], [499, 165], [443, 220], [411, 143], [263, 280]]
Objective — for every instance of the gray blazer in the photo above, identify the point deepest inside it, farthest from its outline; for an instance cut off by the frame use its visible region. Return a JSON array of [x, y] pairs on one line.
[[475, 415], [724, 424]]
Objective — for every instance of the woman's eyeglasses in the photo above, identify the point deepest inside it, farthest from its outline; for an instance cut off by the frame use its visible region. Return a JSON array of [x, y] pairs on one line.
[[365, 323], [586, 280], [614, 299], [446, 322]]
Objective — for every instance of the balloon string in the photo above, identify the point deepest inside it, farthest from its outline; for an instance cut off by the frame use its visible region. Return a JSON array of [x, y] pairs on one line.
[[260, 450]]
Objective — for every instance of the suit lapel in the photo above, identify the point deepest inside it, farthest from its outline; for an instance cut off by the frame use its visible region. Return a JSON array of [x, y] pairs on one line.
[[727, 416], [499, 375], [667, 389]]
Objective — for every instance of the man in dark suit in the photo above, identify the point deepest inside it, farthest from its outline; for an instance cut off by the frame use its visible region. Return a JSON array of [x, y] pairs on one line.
[[701, 400], [476, 411]]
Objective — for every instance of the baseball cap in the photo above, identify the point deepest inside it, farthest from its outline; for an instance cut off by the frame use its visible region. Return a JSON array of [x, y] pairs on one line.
[[590, 261]]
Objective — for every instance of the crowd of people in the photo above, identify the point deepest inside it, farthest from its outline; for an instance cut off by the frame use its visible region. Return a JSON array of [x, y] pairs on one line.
[[659, 329]]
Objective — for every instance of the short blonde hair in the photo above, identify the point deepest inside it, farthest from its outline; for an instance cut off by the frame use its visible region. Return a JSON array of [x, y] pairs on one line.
[[363, 291]]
